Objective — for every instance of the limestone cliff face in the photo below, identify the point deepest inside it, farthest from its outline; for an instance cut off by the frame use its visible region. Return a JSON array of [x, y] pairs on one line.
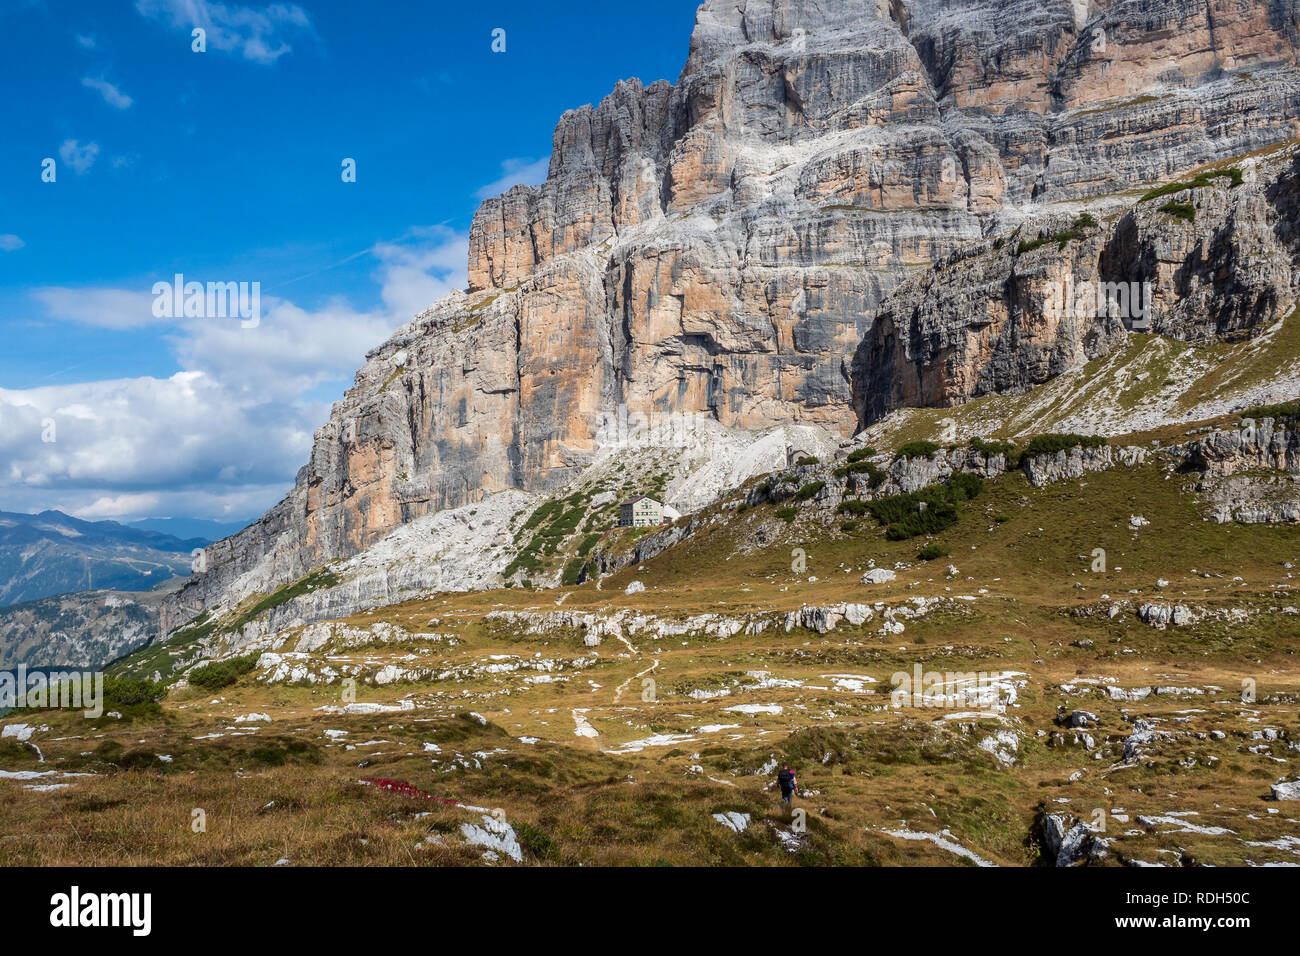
[[722, 245], [1219, 262]]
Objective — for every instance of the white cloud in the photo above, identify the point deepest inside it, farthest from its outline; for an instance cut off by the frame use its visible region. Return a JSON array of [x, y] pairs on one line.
[[9, 242], [182, 445], [119, 309], [516, 172], [85, 42], [118, 506], [146, 434], [111, 94], [215, 502], [291, 351], [414, 276], [224, 436], [294, 349], [79, 158], [256, 34]]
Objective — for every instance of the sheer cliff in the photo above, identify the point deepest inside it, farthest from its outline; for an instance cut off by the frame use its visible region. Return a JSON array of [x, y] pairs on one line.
[[1213, 258]]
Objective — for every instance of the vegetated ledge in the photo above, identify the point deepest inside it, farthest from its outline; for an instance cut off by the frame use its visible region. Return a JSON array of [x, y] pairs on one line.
[[187, 644]]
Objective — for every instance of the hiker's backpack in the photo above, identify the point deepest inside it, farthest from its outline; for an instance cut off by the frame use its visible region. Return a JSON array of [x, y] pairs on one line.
[[786, 779]]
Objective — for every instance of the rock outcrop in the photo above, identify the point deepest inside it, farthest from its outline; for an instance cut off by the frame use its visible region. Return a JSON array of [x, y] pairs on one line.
[[1250, 474], [1267, 443], [1068, 841], [721, 245], [1078, 461], [1216, 262]]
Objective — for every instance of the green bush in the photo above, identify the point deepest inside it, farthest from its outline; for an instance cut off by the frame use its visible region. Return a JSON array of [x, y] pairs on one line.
[[787, 514], [132, 690], [564, 525], [554, 522], [932, 551], [852, 506], [221, 674], [1008, 450], [1200, 182], [875, 474], [132, 694], [848, 527], [904, 516], [983, 446], [1063, 238], [542, 514], [571, 572], [1180, 210], [1284, 410], [965, 486], [570, 520], [809, 491], [807, 460], [1051, 444], [526, 560], [917, 449], [861, 454], [925, 512]]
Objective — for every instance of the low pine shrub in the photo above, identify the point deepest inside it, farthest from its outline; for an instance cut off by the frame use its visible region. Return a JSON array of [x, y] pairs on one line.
[[917, 449], [1051, 444]]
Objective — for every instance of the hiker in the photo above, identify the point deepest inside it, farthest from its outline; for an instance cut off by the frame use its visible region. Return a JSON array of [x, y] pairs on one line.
[[786, 781]]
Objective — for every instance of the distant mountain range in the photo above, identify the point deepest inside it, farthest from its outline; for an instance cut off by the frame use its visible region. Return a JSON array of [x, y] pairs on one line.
[[53, 553]]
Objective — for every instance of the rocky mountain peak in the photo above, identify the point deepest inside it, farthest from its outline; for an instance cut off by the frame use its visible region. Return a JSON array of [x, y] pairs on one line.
[[721, 246]]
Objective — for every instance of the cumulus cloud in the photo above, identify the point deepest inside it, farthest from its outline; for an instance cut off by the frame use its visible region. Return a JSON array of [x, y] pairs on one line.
[[77, 157], [516, 172], [104, 308], [291, 351], [255, 34], [118, 506], [111, 94], [294, 349], [140, 446], [420, 270], [224, 436], [9, 242], [145, 434]]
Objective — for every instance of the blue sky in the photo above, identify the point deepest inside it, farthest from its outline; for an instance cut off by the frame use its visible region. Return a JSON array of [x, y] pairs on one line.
[[225, 165]]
